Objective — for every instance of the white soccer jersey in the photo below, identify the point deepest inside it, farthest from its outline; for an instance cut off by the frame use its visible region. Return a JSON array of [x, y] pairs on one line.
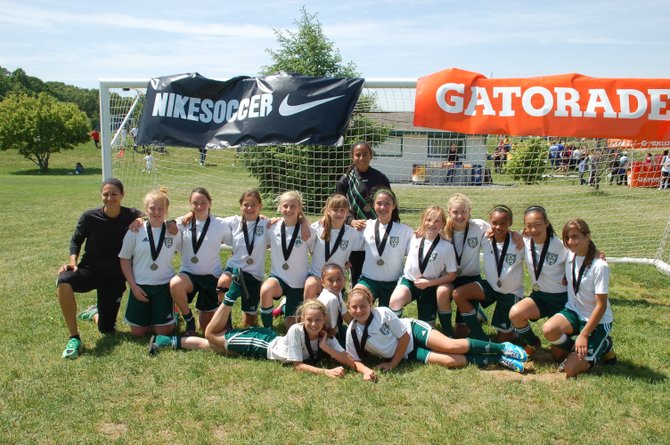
[[240, 257], [511, 275], [442, 259], [208, 259], [553, 270], [292, 347], [396, 248], [298, 262], [136, 248], [334, 306], [596, 280], [469, 248], [383, 334], [351, 240]]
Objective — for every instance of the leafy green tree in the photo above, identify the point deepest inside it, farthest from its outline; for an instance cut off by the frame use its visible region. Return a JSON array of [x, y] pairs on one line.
[[309, 169], [527, 161], [37, 126]]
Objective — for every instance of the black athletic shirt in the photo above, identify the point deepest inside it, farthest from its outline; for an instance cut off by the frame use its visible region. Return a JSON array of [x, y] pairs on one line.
[[104, 237], [371, 179]]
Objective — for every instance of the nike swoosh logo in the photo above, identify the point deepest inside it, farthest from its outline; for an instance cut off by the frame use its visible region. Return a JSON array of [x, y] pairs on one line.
[[289, 110]]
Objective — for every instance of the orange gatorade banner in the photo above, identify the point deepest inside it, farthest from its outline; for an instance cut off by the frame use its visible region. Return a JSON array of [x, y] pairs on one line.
[[568, 105]]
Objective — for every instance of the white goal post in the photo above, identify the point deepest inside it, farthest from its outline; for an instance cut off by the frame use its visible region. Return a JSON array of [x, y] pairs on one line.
[[628, 224]]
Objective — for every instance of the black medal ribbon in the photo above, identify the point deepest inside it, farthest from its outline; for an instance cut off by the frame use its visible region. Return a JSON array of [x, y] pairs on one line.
[[286, 251], [382, 245], [360, 346], [359, 206], [577, 281], [155, 251], [313, 356], [465, 238], [423, 262], [338, 241], [195, 242], [500, 260], [537, 268], [250, 246]]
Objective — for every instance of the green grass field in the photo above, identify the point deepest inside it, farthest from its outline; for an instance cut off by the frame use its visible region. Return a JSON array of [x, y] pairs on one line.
[[116, 393]]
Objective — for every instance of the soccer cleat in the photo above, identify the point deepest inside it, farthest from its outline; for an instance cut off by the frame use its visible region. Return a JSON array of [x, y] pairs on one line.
[[561, 366], [72, 348], [279, 310], [514, 351], [609, 357], [153, 347], [513, 364], [88, 314], [530, 349]]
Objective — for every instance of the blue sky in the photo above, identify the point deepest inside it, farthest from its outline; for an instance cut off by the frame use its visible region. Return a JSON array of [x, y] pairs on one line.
[[79, 42]]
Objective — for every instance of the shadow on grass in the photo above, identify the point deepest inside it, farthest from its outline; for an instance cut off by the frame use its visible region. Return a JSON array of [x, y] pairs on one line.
[[630, 370], [106, 344], [636, 303], [57, 172]]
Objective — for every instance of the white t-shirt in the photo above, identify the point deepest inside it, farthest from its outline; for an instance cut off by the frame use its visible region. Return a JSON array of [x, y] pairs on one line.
[[136, 248], [383, 334], [298, 261], [351, 240], [442, 259], [665, 164], [240, 255], [396, 248], [553, 270], [209, 261], [595, 280], [469, 250], [292, 347], [334, 306], [149, 159], [511, 275]]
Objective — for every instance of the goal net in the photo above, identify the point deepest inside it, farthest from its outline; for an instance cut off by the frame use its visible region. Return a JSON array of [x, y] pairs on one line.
[[611, 186]]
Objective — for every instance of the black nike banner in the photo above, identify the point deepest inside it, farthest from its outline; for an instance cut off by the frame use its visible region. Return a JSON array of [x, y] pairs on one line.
[[194, 111]]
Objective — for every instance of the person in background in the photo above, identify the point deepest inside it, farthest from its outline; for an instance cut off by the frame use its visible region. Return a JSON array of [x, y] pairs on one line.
[[95, 135]]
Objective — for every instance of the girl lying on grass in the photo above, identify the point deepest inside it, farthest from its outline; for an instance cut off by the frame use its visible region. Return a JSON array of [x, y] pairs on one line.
[[303, 345], [378, 331]]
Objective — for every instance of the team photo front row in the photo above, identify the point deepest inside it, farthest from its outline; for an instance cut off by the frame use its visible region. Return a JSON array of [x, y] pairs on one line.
[[437, 265]]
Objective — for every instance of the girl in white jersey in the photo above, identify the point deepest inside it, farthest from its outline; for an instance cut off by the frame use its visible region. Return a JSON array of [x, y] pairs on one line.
[[386, 245], [466, 235], [587, 316], [202, 235], [503, 267], [289, 259], [333, 243], [332, 280], [378, 331], [303, 346], [245, 268], [430, 262], [545, 260], [146, 263]]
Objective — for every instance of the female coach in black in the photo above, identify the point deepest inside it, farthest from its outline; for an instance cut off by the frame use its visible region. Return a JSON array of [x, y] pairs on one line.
[[103, 230]]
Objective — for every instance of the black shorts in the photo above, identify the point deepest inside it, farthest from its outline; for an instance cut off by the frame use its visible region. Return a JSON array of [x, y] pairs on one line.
[[109, 292]]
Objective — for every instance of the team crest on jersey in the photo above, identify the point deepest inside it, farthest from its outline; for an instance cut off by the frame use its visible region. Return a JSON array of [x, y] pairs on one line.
[[473, 242], [259, 231], [395, 240], [510, 258], [344, 244], [433, 256], [384, 329], [552, 258], [168, 242], [298, 242]]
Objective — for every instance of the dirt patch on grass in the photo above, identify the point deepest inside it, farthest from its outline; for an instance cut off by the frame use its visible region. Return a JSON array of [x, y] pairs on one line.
[[113, 430], [527, 376]]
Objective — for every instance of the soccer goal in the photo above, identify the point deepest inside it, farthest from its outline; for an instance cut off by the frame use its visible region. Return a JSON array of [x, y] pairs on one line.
[[570, 177]]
